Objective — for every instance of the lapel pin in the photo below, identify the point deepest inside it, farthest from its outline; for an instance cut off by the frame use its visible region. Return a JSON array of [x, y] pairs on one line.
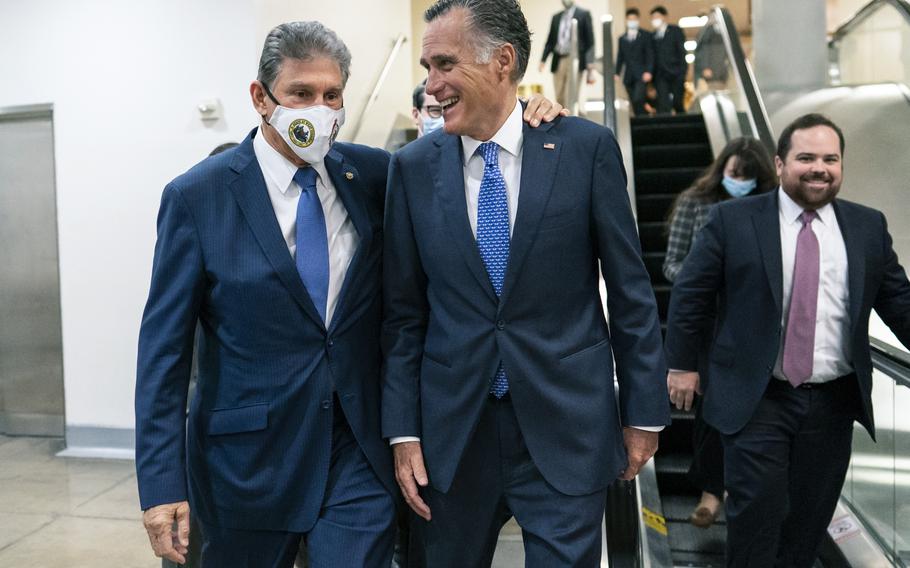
[[549, 146], [348, 175]]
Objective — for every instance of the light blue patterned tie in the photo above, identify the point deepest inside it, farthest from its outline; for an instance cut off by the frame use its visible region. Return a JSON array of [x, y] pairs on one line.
[[312, 242], [493, 235]]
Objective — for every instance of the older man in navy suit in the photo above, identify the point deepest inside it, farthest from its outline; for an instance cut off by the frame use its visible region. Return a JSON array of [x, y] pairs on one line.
[[274, 247], [498, 390], [793, 276]]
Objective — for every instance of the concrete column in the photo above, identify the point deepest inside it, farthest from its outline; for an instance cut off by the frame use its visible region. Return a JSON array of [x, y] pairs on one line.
[[790, 48]]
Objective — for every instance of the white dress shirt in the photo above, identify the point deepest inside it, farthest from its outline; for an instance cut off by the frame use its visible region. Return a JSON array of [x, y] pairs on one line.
[[284, 194], [833, 357], [509, 138]]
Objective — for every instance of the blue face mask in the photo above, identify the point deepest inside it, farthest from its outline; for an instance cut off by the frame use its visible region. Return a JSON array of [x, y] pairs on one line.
[[430, 124], [738, 188]]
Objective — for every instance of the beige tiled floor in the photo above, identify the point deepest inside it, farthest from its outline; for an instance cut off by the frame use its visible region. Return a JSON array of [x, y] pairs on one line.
[[81, 513], [68, 513]]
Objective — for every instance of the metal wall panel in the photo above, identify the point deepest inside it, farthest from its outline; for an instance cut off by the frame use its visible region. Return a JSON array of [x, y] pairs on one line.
[[31, 352]]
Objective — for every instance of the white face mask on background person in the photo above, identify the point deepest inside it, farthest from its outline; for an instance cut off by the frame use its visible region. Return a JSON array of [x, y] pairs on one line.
[[656, 23], [309, 132], [430, 124], [568, 3], [632, 25]]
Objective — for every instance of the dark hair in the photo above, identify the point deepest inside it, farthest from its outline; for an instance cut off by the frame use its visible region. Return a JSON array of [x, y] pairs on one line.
[[493, 23], [659, 9], [633, 12], [802, 123], [419, 94], [752, 161], [222, 147]]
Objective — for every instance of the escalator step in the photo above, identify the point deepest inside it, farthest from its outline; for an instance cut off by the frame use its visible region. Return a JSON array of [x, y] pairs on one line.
[[672, 156], [678, 508], [654, 208], [681, 133], [665, 180], [667, 119], [654, 262], [653, 236], [685, 537], [671, 463]]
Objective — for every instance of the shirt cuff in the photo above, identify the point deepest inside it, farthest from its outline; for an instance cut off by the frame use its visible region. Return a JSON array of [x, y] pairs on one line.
[[647, 428], [399, 439]]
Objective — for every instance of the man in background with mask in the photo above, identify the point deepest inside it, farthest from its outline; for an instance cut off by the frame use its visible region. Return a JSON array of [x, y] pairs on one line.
[[670, 65], [635, 61], [426, 112], [274, 247], [559, 43]]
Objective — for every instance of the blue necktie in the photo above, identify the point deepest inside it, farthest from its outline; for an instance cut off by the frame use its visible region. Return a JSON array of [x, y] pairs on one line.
[[312, 243], [493, 235]]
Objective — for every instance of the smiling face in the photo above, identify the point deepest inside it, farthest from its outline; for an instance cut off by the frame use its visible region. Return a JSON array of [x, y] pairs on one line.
[[476, 97], [812, 171]]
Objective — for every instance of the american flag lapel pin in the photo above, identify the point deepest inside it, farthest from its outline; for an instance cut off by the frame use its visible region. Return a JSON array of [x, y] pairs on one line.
[[549, 146]]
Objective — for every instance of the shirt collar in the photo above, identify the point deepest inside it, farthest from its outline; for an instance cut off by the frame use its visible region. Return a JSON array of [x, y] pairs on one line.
[[278, 170], [509, 136], [791, 211]]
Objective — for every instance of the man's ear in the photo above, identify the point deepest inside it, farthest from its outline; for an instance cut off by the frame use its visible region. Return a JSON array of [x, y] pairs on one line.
[[507, 59], [257, 94]]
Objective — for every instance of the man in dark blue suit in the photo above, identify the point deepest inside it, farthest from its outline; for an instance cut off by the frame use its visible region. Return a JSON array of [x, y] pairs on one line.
[[274, 247], [670, 64], [498, 389], [635, 61], [793, 275]]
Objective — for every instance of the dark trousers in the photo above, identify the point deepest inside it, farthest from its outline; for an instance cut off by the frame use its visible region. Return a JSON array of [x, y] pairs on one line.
[[669, 93], [707, 469], [637, 91], [356, 526], [784, 472], [496, 480]]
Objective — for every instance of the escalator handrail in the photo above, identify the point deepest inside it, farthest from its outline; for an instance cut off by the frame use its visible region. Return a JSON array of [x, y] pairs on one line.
[[758, 115], [891, 361], [902, 6]]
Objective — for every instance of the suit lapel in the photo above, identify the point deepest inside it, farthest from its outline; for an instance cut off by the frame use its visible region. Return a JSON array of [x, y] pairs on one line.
[[766, 222], [538, 172], [856, 265], [348, 184], [448, 178], [253, 198]]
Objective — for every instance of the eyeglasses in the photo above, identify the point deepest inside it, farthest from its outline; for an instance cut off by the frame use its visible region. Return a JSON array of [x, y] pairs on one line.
[[435, 111]]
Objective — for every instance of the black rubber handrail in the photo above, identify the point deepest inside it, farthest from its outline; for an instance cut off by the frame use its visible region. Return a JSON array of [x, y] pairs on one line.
[[891, 361]]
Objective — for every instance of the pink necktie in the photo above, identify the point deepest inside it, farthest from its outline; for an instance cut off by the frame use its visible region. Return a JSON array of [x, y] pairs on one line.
[[799, 341]]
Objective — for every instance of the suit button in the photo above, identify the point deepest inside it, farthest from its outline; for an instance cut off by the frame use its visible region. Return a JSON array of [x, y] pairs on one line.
[[326, 404], [500, 324], [330, 342]]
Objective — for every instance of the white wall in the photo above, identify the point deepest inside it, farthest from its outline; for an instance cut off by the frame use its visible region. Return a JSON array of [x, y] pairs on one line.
[[125, 79]]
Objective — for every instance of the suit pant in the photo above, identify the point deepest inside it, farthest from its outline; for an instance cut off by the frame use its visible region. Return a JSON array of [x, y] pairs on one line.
[[496, 480], [637, 91], [562, 77], [784, 472], [356, 526], [670, 93], [707, 469]]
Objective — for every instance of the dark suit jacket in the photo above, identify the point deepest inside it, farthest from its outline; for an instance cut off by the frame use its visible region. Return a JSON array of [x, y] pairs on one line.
[[670, 53], [444, 332], [634, 58], [259, 432], [736, 261], [585, 39]]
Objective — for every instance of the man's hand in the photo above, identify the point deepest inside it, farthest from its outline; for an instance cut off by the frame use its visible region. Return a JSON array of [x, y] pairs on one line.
[[542, 66], [410, 472], [159, 523], [590, 76], [707, 73], [646, 77], [682, 386], [541, 108], [640, 447]]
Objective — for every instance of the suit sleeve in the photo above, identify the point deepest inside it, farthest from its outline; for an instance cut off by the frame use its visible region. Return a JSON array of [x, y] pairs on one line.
[[633, 320], [620, 57], [649, 54], [892, 302], [165, 354], [406, 312], [586, 30], [694, 296], [550, 44], [680, 46]]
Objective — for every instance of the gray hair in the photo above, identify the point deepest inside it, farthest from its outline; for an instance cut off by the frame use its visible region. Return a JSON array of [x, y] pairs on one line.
[[301, 40], [494, 23]]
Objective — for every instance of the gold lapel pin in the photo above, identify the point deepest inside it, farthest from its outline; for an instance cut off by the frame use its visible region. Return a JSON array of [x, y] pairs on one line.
[[549, 146], [348, 175]]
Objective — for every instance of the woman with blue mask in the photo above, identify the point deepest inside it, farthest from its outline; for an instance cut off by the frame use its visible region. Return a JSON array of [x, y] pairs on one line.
[[743, 168]]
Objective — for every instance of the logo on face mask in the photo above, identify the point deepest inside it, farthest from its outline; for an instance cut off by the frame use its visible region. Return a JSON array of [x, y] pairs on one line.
[[301, 132]]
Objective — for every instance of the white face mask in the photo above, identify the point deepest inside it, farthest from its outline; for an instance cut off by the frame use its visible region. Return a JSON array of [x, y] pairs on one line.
[[656, 23], [309, 131], [429, 124], [632, 25]]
